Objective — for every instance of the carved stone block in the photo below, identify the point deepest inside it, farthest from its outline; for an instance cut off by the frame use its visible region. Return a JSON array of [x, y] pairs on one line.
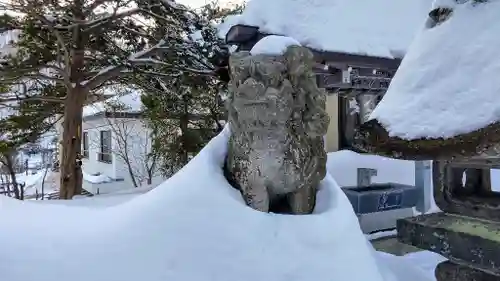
[[277, 119], [451, 271], [473, 197], [458, 238]]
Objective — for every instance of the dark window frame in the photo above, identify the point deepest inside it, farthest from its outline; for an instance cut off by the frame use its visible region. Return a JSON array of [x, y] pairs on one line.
[[104, 155], [85, 145]]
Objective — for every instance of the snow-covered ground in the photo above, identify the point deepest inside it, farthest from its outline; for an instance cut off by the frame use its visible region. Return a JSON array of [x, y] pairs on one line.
[[33, 183], [30, 179], [102, 200], [190, 228], [96, 178]]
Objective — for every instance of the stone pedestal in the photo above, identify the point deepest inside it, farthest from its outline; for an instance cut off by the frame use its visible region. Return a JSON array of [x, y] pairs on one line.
[[382, 221], [470, 244], [452, 271], [378, 206], [467, 233]]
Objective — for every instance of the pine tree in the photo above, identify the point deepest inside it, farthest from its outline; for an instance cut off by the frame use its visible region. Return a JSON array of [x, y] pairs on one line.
[[189, 112], [67, 50], [20, 123], [182, 119]]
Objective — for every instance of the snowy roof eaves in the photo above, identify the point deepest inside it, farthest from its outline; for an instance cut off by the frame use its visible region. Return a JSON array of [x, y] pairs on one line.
[[442, 101], [379, 28], [130, 102]]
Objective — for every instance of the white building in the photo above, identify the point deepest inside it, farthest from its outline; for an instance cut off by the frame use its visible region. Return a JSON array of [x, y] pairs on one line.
[[116, 146]]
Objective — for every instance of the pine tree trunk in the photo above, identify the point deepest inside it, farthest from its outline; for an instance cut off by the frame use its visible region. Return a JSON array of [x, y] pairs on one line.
[[184, 124], [71, 172]]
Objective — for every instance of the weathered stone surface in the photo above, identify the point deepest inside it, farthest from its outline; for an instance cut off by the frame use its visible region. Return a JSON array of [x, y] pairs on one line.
[[277, 119], [447, 271], [373, 138], [468, 232], [464, 240], [473, 198], [391, 245]]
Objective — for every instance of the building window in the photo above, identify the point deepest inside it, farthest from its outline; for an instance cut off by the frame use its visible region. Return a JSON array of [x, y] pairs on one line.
[[105, 153], [85, 143]]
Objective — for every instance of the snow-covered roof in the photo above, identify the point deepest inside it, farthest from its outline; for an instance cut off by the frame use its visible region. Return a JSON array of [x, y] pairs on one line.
[[380, 28], [447, 84], [226, 24], [130, 103]]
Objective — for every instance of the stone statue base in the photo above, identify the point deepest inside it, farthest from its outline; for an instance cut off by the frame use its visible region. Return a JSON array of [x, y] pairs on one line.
[[472, 243], [467, 232]]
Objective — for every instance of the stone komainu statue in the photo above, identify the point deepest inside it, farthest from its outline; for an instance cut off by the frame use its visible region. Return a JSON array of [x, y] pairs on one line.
[[277, 118]]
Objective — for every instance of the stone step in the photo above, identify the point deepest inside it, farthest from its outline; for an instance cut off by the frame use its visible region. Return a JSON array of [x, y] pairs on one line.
[[391, 245], [462, 240]]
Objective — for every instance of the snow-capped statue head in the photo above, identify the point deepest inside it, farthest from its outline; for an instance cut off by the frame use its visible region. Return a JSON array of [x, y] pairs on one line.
[[447, 83], [273, 45]]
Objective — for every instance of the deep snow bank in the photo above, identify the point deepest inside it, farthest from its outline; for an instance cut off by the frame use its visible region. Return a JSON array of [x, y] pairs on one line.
[[193, 227]]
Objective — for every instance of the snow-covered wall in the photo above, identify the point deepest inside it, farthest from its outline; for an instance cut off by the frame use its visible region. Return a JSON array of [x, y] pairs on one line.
[[343, 166]]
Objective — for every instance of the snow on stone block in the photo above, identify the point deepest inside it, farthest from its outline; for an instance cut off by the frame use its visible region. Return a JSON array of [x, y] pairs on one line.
[[447, 84], [273, 45], [184, 230]]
